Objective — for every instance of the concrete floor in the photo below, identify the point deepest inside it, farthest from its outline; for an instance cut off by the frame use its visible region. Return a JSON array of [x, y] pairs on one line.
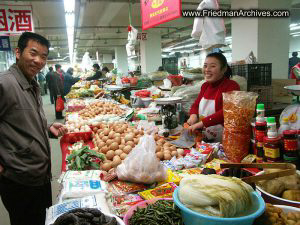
[[55, 159]]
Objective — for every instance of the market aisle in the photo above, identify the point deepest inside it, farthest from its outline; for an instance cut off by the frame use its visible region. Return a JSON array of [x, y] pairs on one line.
[[55, 159]]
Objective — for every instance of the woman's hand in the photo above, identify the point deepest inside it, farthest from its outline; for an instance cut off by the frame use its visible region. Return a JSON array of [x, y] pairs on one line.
[[193, 119], [196, 126]]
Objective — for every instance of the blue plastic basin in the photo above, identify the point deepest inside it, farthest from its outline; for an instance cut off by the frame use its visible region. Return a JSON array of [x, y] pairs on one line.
[[191, 217]]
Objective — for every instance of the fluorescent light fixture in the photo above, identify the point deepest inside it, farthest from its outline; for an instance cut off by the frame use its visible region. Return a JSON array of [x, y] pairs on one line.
[[185, 46], [70, 19], [69, 5], [295, 27], [51, 49], [228, 38], [293, 24], [296, 35]]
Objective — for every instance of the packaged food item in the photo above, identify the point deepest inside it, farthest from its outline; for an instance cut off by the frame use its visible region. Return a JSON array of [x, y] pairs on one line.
[[163, 191], [214, 164], [80, 175], [120, 204], [239, 109], [188, 172], [171, 178], [125, 187]]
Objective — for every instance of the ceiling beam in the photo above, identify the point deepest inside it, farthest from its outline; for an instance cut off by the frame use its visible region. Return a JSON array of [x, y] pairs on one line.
[[99, 27]]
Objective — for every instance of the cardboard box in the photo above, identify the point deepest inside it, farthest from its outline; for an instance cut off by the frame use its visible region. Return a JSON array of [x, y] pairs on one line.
[[280, 95]]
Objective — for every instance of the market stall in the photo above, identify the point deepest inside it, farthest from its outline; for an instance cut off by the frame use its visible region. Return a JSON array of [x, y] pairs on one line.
[[136, 163]]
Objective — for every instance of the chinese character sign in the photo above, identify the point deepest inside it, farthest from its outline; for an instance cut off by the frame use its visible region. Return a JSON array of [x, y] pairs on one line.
[[155, 12], [15, 19]]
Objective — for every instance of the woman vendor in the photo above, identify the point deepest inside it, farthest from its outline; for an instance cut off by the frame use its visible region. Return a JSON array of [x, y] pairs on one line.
[[207, 111]]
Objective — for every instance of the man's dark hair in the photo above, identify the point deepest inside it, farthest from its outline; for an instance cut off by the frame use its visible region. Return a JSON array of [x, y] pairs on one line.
[[96, 65], [105, 69], [70, 71], [295, 54], [50, 68], [27, 36], [223, 61], [57, 66]]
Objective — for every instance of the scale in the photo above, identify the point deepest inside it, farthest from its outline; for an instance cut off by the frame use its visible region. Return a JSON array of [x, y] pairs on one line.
[[169, 113], [292, 112]]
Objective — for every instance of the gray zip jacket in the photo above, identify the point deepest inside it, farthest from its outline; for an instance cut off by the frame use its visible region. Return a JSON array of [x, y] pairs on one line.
[[24, 140]]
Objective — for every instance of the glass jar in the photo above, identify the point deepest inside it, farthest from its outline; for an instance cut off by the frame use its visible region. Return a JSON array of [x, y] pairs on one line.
[[272, 149]]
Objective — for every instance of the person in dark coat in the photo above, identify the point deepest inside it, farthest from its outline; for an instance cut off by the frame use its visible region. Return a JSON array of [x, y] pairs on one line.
[[57, 88], [97, 74], [69, 81], [49, 84]]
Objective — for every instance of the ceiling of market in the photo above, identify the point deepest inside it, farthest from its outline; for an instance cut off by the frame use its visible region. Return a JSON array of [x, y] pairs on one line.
[[101, 25]]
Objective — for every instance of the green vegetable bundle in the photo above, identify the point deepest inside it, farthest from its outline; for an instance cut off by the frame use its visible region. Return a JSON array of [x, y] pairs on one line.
[[85, 159], [161, 212]]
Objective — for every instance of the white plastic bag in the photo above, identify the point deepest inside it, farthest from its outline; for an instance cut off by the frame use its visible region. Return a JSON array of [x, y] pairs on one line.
[[142, 165]]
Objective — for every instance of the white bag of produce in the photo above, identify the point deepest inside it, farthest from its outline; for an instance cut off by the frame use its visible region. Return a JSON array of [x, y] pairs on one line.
[[95, 201], [82, 188], [142, 165]]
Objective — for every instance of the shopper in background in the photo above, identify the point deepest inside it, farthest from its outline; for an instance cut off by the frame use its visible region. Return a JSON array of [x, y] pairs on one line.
[[57, 88], [69, 81], [41, 80], [293, 61], [50, 83], [25, 159], [97, 74], [207, 110], [105, 70]]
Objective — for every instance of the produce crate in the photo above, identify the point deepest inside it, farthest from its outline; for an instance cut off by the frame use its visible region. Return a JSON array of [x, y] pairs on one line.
[[256, 74], [77, 136], [265, 95]]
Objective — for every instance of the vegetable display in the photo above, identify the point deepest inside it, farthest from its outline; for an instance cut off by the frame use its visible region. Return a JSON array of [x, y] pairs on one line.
[[84, 159], [84, 216], [161, 212], [215, 195]]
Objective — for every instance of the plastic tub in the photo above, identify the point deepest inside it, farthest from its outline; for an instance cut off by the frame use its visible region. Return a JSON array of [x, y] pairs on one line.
[[191, 217], [142, 204]]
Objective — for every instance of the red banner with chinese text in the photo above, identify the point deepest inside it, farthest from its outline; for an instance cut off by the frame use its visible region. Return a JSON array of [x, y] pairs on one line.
[[155, 12], [15, 19]]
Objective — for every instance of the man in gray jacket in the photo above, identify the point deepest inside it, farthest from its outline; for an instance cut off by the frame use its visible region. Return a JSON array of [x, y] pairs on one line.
[[25, 160]]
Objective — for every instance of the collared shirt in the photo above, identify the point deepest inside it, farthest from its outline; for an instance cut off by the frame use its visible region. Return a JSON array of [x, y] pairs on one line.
[[24, 141]]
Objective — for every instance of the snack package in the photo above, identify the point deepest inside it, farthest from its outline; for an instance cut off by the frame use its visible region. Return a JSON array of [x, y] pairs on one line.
[[120, 204], [239, 109], [163, 191], [142, 165], [97, 201], [82, 188], [215, 164], [171, 178], [125, 187], [188, 172], [80, 175]]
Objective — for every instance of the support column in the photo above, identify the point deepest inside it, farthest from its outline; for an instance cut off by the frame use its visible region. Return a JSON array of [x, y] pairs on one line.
[[268, 38], [151, 53], [121, 59], [107, 58]]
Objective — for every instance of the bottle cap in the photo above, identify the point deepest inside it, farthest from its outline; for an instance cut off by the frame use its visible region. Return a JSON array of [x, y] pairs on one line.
[[260, 106], [285, 119], [271, 120]]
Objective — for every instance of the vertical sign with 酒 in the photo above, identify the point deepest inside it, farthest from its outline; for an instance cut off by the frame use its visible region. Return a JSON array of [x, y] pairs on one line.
[[15, 19], [155, 12]]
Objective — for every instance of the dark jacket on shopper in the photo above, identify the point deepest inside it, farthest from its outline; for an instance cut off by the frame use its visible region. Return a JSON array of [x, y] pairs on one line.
[[96, 76], [56, 85], [24, 140], [69, 81]]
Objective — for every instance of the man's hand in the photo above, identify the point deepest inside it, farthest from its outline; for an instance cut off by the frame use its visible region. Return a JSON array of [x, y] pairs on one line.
[[193, 119], [58, 129], [195, 127]]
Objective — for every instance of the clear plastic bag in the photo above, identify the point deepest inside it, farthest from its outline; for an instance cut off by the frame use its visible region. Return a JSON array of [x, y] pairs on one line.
[[239, 109], [142, 165]]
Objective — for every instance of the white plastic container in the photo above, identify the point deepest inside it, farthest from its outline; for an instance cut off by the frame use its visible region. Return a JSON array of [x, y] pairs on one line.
[[284, 125], [260, 113]]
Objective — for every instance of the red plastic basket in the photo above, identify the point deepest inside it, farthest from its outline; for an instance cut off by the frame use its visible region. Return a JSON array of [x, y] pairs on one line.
[[78, 136]]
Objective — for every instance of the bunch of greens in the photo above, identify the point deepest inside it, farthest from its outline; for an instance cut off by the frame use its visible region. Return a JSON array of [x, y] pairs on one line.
[[161, 212], [84, 159]]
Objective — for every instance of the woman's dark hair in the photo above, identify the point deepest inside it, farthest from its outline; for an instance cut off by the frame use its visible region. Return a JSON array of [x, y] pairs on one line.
[[96, 65], [57, 66], [26, 36], [223, 61], [105, 69], [70, 70]]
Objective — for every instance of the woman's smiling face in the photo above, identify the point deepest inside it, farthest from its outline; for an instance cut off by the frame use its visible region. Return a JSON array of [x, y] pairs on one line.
[[213, 70]]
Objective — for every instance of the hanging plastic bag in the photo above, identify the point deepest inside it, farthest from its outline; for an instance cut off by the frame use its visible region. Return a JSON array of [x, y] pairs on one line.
[[59, 104], [142, 165], [239, 109]]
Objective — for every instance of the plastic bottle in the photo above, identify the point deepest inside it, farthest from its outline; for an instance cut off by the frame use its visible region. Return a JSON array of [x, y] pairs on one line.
[[260, 113], [272, 131], [284, 125]]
